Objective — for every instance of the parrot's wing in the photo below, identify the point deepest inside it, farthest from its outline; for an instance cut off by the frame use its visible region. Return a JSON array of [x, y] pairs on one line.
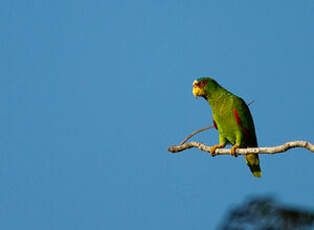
[[245, 121], [215, 125]]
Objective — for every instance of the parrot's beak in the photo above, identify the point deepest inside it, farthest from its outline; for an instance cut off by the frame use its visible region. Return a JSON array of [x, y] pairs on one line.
[[196, 89]]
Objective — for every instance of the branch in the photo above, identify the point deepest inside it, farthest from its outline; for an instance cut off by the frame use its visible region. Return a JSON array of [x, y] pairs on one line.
[[240, 151], [195, 132], [244, 151]]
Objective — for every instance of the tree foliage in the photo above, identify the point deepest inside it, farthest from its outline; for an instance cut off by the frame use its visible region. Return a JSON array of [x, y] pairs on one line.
[[267, 214]]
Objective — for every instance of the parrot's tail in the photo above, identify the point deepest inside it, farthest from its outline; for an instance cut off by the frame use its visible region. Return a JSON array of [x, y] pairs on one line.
[[253, 162]]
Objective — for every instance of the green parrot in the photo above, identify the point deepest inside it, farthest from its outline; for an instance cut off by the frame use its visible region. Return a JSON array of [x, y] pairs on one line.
[[232, 119]]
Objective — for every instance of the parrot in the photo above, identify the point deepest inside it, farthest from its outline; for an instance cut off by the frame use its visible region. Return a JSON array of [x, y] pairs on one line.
[[232, 118]]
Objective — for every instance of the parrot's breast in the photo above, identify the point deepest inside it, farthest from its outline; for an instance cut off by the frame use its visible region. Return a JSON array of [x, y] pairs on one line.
[[225, 120]]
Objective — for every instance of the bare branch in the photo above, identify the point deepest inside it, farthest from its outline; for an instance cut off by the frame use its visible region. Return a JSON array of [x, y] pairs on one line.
[[195, 132], [240, 151], [244, 151], [250, 103]]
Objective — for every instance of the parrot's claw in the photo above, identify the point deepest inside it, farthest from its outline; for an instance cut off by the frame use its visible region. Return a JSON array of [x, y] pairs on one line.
[[214, 147], [232, 151], [212, 150]]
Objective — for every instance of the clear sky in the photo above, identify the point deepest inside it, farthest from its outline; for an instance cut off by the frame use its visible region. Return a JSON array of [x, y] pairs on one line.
[[92, 93]]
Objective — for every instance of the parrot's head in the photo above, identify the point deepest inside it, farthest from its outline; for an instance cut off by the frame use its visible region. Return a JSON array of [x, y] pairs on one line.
[[204, 87]]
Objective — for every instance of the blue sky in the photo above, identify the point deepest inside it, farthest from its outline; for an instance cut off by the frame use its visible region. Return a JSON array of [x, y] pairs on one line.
[[93, 93]]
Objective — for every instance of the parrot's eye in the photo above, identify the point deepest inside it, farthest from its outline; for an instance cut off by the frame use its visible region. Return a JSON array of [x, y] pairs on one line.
[[202, 83]]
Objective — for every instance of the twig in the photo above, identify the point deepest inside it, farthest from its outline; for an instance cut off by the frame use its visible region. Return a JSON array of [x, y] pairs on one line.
[[195, 132], [244, 151], [250, 103]]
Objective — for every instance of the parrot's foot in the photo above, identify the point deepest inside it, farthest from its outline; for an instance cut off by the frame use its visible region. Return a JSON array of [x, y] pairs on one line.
[[232, 151], [214, 147]]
